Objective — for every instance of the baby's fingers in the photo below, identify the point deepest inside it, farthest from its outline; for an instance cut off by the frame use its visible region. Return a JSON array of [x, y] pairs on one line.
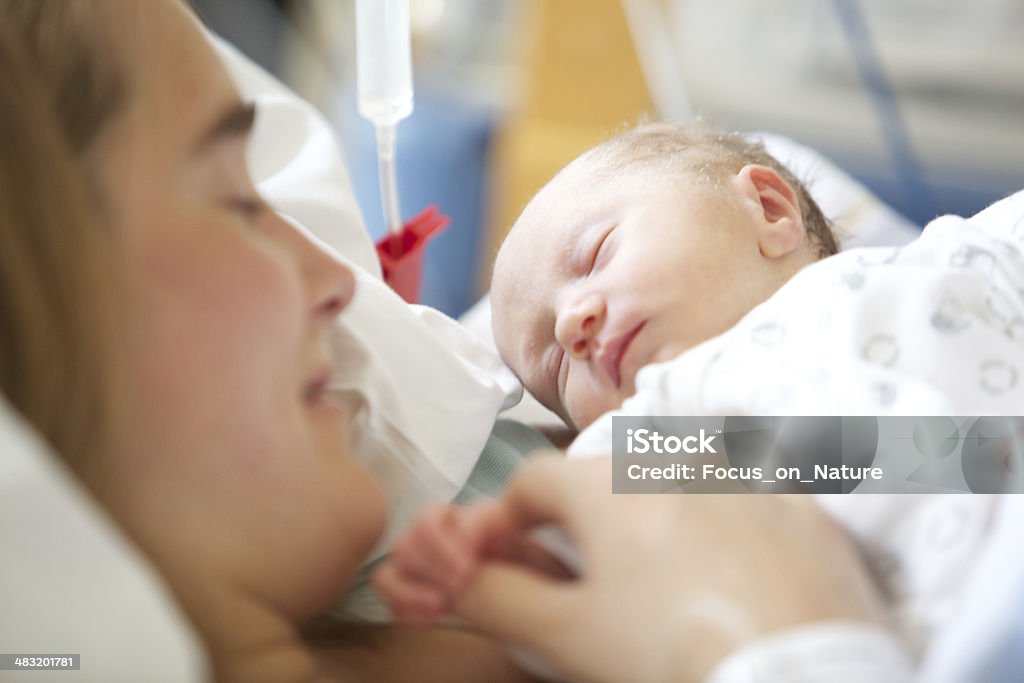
[[435, 551], [411, 602]]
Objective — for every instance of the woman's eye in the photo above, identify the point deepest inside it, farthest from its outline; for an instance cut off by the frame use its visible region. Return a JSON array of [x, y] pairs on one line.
[[600, 257], [249, 208]]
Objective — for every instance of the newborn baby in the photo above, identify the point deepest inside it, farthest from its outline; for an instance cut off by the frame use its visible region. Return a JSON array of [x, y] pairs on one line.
[[640, 249], [659, 246]]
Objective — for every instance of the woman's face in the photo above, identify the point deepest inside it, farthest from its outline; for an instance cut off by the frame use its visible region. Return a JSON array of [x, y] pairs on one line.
[[231, 459]]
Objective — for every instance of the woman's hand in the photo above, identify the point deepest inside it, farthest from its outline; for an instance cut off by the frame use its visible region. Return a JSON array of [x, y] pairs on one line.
[[671, 583]]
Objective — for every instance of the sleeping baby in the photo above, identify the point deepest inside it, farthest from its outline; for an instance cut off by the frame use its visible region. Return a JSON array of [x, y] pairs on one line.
[[640, 249], [679, 271]]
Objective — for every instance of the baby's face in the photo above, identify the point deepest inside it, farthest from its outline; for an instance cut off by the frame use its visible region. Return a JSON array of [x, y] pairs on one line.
[[601, 276]]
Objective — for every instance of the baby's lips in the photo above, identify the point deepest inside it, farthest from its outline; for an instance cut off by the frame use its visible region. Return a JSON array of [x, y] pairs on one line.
[[612, 353]]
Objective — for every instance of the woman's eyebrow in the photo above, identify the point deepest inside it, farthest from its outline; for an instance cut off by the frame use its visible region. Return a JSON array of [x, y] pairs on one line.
[[234, 122]]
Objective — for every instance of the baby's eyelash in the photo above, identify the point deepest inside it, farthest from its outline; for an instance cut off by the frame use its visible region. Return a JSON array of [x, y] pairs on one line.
[[599, 248]]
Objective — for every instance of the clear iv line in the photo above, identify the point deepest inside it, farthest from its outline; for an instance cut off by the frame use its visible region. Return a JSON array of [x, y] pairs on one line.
[[384, 87], [387, 178]]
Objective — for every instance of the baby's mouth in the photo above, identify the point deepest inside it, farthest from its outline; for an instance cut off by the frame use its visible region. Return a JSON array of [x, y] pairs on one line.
[[611, 356]]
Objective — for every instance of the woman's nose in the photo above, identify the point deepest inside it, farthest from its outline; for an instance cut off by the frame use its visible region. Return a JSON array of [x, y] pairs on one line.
[[578, 324], [330, 284]]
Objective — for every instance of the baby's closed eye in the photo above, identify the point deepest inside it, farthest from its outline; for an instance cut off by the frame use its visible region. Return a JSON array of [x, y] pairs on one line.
[[602, 251]]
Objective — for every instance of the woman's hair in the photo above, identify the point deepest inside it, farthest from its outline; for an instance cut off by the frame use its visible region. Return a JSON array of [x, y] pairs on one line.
[[56, 314], [708, 154], [74, 60]]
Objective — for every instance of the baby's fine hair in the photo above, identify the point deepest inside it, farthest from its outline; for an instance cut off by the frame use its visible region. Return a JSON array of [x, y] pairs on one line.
[[709, 154]]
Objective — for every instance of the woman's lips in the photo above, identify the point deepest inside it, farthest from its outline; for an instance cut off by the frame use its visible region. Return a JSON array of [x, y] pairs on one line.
[[611, 357], [317, 387], [322, 400]]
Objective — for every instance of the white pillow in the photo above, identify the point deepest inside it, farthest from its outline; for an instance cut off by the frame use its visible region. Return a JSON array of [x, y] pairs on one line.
[[429, 392], [71, 583]]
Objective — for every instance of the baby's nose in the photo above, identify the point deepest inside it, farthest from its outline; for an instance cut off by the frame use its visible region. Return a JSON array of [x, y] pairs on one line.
[[578, 326]]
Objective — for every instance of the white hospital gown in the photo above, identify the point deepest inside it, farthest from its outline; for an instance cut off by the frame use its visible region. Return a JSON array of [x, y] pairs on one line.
[[932, 328]]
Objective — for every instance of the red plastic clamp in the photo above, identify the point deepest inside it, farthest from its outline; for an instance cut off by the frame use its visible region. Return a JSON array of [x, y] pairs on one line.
[[401, 254]]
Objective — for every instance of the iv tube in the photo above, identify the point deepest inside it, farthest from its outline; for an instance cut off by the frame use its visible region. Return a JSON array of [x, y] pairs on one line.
[[384, 84], [386, 177]]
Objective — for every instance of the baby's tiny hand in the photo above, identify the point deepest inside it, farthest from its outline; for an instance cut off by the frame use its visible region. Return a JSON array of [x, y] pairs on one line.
[[438, 557], [430, 565]]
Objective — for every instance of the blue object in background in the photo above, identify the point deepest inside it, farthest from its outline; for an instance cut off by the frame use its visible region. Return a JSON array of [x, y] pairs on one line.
[[907, 187], [441, 159], [1005, 663], [945, 196]]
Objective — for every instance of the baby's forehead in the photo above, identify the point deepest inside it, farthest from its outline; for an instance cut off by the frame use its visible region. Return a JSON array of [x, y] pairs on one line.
[[536, 240], [534, 257], [515, 291], [554, 218]]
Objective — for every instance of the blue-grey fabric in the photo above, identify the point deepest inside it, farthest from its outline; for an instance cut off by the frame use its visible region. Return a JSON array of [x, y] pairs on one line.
[[508, 446]]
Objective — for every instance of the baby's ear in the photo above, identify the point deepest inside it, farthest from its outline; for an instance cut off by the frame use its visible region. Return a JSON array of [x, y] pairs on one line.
[[776, 210]]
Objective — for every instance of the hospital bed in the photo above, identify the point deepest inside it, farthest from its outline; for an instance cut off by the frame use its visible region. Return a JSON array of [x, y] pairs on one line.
[[71, 581]]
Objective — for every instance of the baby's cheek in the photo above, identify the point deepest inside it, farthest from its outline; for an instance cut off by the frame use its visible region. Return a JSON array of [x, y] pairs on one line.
[[581, 405], [586, 402]]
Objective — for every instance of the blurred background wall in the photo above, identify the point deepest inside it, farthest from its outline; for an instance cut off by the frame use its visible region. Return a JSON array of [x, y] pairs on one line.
[[923, 100]]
